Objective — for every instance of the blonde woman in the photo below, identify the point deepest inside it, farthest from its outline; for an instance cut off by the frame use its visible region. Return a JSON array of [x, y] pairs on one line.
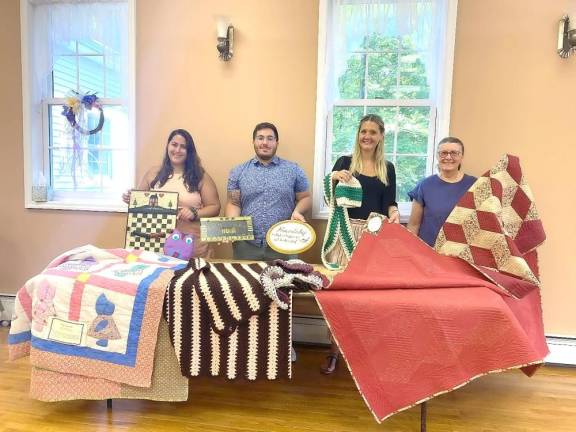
[[377, 177]]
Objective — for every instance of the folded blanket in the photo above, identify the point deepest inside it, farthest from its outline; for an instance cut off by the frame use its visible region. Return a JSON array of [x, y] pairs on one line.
[[222, 323], [94, 313], [338, 229], [293, 274], [168, 384], [496, 228]]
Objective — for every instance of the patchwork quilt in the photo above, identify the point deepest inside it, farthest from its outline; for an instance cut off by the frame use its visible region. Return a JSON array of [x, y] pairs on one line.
[[93, 313], [495, 227]]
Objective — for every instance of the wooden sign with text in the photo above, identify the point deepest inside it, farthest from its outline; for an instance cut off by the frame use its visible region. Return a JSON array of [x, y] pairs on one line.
[[219, 229]]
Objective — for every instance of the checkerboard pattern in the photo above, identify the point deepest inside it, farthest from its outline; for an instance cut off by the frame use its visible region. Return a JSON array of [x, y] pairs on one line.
[[495, 225], [147, 223]]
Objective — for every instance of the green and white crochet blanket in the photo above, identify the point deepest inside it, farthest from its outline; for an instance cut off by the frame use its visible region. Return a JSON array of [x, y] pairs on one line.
[[338, 229]]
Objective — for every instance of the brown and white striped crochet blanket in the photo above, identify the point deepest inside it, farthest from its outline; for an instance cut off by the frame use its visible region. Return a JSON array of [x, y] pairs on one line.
[[223, 324]]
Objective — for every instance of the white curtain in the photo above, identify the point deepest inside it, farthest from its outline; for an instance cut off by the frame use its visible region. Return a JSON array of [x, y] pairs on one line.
[[353, 20], [56, 22]]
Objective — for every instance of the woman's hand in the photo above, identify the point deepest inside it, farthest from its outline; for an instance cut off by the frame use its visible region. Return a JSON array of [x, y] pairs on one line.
[[184, 213], [393, 215], [344, 175], [126, 197]]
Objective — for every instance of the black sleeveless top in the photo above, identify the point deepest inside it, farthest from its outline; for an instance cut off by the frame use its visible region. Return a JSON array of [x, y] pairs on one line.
[[376, 196]]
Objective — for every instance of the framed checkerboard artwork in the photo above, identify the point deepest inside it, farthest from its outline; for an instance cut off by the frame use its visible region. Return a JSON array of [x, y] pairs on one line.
[[151, 217]]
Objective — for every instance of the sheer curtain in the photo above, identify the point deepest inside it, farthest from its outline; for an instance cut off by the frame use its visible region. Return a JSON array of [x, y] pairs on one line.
[[353, 20], [57, 22]]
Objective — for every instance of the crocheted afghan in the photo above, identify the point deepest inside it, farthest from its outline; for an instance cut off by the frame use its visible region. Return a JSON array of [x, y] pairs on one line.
[[338, 228], [495, 227], [295, 274], [223, 324]]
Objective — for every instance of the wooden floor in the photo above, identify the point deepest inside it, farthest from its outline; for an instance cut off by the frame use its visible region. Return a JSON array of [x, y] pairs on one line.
[[508, 402]]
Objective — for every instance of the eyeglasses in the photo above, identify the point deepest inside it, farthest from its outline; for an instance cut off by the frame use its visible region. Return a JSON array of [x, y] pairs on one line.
[[262, 138], [453, 154]]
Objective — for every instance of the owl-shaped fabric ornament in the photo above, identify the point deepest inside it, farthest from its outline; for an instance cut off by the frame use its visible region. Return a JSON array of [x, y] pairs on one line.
[[179, 245]]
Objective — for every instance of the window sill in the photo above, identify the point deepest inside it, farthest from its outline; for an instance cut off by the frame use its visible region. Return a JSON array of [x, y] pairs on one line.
[[79, 205]]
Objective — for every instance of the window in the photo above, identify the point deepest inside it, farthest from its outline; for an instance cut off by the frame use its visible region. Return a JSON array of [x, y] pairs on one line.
[[391, 58], [71, 49]]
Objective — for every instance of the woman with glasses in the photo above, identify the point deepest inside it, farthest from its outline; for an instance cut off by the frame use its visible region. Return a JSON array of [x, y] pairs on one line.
[[377, 177], [182, 172], [434, 197]]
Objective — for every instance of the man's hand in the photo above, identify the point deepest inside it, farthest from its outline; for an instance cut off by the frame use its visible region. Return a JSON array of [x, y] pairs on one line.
[[296, 215]]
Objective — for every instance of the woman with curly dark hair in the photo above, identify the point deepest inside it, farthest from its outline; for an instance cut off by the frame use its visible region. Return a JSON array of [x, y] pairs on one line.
[[182, 172]]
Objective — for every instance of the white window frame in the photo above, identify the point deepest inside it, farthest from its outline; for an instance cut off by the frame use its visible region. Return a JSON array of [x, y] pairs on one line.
[[35, 128], [439, 113]]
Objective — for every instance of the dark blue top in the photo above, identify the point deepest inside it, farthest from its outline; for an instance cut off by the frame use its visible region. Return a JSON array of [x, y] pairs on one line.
[[438, 198], [376, 196], [267, 192]]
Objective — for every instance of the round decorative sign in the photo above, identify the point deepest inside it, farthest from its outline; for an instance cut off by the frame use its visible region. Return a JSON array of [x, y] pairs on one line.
[[291, 237], [374, 222]]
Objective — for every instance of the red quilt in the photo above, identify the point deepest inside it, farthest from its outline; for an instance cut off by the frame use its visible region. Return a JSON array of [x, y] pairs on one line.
[[412, 324], [495, 227]]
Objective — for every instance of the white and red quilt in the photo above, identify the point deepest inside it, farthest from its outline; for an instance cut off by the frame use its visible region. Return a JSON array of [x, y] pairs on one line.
[[94, 313]]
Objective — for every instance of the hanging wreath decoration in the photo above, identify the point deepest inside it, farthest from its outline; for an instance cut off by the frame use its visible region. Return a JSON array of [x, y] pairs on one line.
[[75, 104]]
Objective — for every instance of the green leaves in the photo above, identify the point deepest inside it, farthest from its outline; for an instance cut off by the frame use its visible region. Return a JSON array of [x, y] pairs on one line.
[[390, 70]]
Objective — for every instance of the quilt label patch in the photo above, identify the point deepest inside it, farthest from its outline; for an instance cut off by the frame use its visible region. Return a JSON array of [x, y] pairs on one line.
[[67, 332]]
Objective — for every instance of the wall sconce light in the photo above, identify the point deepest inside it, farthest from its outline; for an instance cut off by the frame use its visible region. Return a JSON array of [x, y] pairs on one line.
[[225, 39], [566, 38]]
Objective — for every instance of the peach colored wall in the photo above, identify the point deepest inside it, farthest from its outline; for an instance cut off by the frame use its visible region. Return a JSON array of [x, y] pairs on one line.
[[511, 92], [180, 83]]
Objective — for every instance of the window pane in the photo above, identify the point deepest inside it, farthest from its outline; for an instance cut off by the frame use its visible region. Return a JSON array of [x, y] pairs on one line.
[[91, 74], [65, 48], [409, 170], [345, 125], [413, 130], [93, 162], [412, 81], [65, 75], [390, 117], [90, 47], [379, 42], [380, 52], [351, 82], [113, 71], [382, 75]]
